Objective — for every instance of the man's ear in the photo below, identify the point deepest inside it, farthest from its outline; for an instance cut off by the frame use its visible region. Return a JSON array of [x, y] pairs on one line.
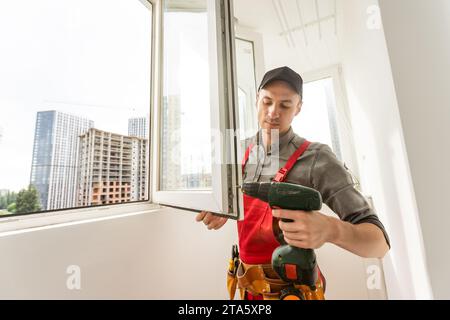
[[257, 99], [299, 107]]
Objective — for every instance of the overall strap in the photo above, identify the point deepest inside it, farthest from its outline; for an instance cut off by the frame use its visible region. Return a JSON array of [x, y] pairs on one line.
[[247, 154], [282, 173]]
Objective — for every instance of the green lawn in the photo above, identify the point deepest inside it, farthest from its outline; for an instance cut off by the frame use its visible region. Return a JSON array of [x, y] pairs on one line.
[[4, 212]]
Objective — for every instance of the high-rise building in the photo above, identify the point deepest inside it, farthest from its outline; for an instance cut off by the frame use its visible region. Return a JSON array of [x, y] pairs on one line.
[[112, 168], [138, 127], [170, 178], [178, 173], [196, 180], [55, 156], [139, 165]]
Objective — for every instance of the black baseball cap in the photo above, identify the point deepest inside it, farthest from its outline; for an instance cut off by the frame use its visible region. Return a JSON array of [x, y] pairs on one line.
[[285, 74]]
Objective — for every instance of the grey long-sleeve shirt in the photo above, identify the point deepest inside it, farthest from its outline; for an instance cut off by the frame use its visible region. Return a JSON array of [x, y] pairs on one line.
[[317, 168]]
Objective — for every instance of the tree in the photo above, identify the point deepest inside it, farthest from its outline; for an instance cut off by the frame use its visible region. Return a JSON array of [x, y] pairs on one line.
[[11, 197], [6, 199], [3, 203], [28, 200], [12, 207]]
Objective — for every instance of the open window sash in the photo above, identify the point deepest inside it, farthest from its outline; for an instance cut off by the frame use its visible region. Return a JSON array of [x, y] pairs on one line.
[[221, 196]]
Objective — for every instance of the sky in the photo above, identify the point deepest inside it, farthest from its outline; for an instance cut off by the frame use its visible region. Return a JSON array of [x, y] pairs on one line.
[[91, 58], [84, 57]]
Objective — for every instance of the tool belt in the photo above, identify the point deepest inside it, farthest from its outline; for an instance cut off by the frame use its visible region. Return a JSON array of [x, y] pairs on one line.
[[262, 280]]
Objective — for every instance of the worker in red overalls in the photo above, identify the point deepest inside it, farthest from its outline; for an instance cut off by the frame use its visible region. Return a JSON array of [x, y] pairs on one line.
[[299, 161]]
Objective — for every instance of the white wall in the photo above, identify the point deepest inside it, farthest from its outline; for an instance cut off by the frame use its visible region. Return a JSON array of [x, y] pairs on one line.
[[417, 35], [160, 255], [164, 255], [379, 140]]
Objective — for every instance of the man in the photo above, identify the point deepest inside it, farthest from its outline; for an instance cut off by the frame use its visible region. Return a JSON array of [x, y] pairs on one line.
[[358, 230]]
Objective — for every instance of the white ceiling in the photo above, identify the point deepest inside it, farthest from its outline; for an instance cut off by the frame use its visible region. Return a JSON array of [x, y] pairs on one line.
[[298, 28], [291, 18], [301, 33]]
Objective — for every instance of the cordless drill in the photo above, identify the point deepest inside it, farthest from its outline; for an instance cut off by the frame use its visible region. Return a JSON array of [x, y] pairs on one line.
[[294, 265]]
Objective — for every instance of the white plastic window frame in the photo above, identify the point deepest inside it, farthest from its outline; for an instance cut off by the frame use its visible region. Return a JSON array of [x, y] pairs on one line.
[[256, 40], [222, 197], [343, 119], [258, 55]]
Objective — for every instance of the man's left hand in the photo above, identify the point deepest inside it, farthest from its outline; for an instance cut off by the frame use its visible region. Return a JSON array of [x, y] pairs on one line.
[[309, 229]]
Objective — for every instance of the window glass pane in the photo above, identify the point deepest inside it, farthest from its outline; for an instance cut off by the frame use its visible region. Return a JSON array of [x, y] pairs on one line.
[[317, 119], [186, 125], [74, 104], [246, 88]]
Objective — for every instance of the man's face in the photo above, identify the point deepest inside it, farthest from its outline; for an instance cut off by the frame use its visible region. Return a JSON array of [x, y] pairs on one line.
[[277, 105]]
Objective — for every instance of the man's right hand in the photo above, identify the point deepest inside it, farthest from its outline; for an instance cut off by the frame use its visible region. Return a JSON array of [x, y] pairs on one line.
[[211, 221]]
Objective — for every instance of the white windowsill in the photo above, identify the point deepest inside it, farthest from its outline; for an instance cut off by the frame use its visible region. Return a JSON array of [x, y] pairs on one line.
[[46, 220]]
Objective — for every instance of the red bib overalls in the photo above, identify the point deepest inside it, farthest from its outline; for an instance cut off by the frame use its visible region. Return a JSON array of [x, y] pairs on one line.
[[256, 239]]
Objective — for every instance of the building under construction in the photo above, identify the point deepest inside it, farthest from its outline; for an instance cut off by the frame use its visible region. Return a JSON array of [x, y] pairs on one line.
[[112, 168]]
